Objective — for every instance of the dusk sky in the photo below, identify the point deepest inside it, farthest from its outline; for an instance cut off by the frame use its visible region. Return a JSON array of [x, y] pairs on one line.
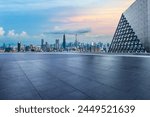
[[31, 20]]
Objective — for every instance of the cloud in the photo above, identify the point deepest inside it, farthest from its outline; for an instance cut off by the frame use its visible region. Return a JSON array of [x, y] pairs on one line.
[[71, 32], [17, 5], [23, 34], [39, 4], [2, 32], [13, 34], [101, 16]]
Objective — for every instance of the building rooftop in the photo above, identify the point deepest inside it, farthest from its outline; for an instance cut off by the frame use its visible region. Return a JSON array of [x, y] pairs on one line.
[[74, 76]]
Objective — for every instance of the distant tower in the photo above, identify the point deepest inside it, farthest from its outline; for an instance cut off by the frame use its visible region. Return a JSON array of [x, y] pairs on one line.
[[57, 44], [42, 44], [19, 46], [64, 41], [4, 46], [76, 41]]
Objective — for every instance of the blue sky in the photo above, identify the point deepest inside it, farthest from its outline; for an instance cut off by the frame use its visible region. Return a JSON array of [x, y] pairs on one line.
[[31, 20]]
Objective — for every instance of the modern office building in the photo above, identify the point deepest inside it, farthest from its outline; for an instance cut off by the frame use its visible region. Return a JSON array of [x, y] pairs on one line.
[[76, 41], [42, 44], [64, 42], [133, 32], [19, 46], [57, 44]]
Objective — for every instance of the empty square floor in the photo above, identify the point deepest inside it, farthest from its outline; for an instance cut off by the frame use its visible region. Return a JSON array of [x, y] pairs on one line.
[[74, 77]]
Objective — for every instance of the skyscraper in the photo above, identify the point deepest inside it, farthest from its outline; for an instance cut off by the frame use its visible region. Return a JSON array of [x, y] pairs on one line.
[[42, 44], [76, 41], [19, 46], [64, 41], [4, 46], [132, 34], [57, 44], [46, 47]]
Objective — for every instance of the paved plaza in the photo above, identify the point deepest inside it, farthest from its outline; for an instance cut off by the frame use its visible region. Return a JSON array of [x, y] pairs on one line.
[[29, 76]]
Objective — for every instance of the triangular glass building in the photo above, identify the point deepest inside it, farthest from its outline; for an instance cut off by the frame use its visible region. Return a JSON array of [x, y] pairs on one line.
[[132, 34]]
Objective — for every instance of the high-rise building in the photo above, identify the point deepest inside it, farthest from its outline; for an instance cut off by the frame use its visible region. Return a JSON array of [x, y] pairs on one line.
[[46, 47], [132, 34], [42, 44], [4, 46], [64, 41], [57, 44], [19, 46], [76, 41]]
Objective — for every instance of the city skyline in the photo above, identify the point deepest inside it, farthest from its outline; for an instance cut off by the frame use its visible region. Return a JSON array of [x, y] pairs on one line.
[[29, 21], [58, 46]]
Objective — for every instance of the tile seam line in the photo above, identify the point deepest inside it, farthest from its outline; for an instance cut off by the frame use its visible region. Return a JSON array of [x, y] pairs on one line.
[[86, 78], [29, 81], [69, 85], [89, 79], [96, 81]]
